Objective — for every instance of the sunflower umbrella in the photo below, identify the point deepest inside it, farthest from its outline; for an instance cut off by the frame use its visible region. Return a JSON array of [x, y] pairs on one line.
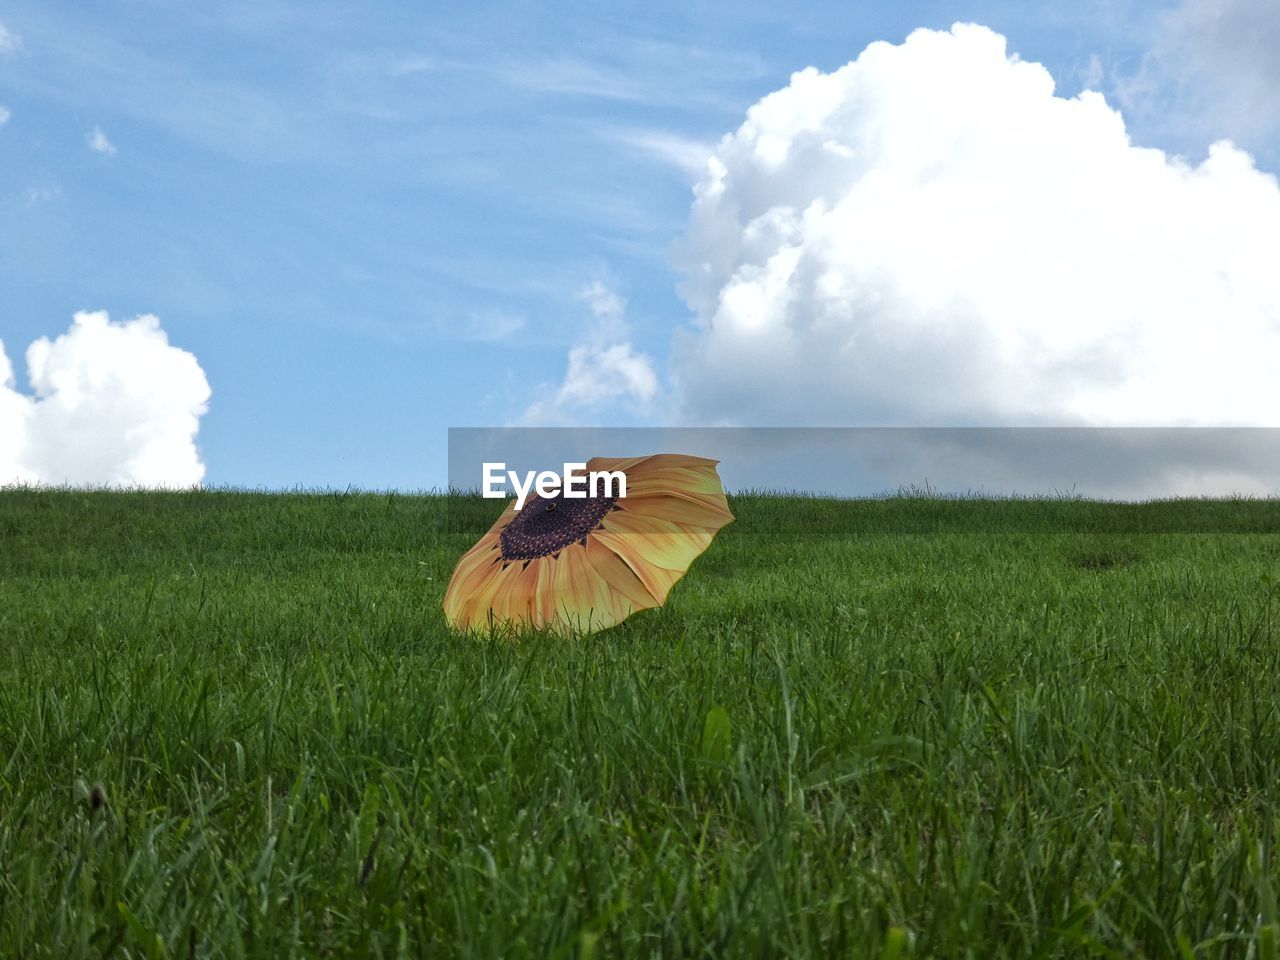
[[585, 563]]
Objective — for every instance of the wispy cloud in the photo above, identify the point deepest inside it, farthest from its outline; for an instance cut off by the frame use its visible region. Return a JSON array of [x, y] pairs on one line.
[[134, 80], [641, 72], [1093, 74], [685, 154], [408, 66], [99, 143], [1211, 72], [4, 115], [577, 78], [605, 372], [607, 308], [483, 326], [37, 194], [494, 326], [10, 42]]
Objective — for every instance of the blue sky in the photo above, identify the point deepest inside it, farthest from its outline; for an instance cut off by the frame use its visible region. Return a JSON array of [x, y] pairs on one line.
[[370, 223]]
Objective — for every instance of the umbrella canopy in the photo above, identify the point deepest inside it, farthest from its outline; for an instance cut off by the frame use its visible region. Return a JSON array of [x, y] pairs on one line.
[[585, 563]]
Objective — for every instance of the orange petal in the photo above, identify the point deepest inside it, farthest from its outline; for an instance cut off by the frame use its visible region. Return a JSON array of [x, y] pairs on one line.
[[582, 595], [474, 559], [511, 604], [489, 605], [542, 607], [473, 577]]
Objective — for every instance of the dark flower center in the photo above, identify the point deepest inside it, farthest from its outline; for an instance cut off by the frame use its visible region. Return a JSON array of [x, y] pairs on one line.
[[547, 525]]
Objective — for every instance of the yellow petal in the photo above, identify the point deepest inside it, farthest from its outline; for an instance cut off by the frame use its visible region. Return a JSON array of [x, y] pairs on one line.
[[692, 511], [668, 480], [657, 581], [658, 552], [667, 461], [674, 506], [615, 463], [652, 539], [664, 473], [619, 576]]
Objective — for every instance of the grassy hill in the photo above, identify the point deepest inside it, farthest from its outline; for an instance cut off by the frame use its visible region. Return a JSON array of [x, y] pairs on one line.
[[234, 724]]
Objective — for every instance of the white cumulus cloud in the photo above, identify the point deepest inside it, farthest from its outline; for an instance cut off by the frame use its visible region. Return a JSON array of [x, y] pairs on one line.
[[929, 235], [15, 409], [99, 143], [111, 404], [605, 371]]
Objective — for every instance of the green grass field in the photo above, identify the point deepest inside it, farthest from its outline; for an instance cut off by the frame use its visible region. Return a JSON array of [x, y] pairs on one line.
[[234, 724]]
